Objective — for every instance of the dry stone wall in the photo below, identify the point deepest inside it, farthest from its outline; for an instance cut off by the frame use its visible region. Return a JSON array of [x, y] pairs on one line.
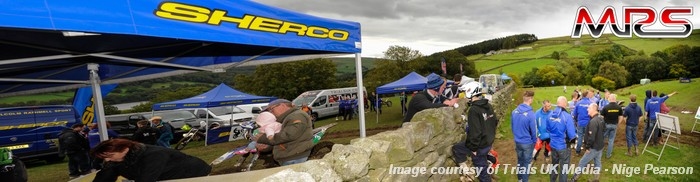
[[426, 141]]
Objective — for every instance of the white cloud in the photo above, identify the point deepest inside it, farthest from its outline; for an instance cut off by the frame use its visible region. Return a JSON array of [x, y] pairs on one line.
[[439, 25]]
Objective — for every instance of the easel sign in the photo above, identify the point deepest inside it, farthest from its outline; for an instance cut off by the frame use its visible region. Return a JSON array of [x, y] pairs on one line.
[[671, 125], [668, 123], [697, 114], [697, 117]]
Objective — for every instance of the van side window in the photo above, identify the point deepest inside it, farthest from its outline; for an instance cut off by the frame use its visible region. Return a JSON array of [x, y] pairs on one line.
[[200, 113], [255, 110], [321, 101]]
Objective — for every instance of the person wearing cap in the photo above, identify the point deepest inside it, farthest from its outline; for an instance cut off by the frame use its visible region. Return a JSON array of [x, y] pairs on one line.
[[166, 131], [76, 147], [430, 98], [293, 143]]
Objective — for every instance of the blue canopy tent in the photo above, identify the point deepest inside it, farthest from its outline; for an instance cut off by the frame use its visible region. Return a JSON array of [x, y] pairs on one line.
[[49, 44], [221, 95], [505, 77], [411, 82]]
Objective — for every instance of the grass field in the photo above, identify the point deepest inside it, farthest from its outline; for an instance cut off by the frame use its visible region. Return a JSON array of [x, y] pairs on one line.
[[523, 67], [659, 44], [489, 64], [347, 64], [536, 52]]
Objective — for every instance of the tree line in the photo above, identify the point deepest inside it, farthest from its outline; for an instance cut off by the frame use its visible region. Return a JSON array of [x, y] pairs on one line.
[[508, 42], [618, 67]]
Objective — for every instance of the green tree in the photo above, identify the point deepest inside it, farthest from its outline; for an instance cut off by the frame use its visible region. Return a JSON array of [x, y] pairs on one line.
[[602, 83], [288, 80], [614, 72], [677, 71], [572, 71], [640, 67], [555, 55], [385, 71], [453, 59], [111, 109], [531, 78], [549, 73], [597, 58], [401, 53]]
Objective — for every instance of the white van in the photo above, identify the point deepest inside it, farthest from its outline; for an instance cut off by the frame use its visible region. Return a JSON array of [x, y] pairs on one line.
[[222, 113], [324, 103]]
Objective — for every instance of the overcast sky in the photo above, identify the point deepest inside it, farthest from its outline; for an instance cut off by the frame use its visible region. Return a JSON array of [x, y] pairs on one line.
[[431, 26]]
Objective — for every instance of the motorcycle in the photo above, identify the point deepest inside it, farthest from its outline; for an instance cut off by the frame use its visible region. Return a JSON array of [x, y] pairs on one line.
[[193, 134]]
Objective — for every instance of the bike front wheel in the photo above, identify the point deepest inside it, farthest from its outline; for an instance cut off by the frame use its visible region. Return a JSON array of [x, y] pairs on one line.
[[183, 142]]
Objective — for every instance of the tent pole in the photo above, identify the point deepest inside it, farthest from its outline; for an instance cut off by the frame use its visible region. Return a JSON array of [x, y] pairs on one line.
[[97, 96], [360, 93]]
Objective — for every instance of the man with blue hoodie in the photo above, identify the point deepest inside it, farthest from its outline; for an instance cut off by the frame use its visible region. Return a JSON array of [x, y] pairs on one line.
[[580, 114], [542, 134], [524, 130], [652, 107], [560, 126], [632, 113]]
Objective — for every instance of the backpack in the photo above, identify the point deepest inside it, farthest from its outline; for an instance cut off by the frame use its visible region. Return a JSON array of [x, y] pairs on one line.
[[5, 156]]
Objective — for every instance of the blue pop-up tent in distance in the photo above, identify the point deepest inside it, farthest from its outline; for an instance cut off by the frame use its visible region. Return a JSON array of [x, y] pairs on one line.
[[61, 45]]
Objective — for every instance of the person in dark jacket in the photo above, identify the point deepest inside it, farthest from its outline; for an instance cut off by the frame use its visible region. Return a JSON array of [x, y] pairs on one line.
[[633, 113], [146, 134], [430, 98], [481, 132], [75, 145], [145, 163], [524, 128], [593, 144], [294, 142], [562, 132], [612, 114], [94, 134]]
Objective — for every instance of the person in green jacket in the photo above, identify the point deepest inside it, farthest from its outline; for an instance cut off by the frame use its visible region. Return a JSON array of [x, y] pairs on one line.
[[294, 142]]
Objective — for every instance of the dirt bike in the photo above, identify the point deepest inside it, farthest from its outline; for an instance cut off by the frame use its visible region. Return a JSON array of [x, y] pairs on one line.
[[250, 130], [193, 134]]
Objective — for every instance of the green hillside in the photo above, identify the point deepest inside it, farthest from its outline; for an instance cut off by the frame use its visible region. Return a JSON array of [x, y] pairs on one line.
[[347, 64], [533, 54]]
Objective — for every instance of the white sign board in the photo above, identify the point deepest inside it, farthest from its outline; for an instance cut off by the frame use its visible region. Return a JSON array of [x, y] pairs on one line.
[[697, 114], [668, 123]]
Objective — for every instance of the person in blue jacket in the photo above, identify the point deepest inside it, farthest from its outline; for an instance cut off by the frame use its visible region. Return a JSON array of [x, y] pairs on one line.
[[560, 126], [542, 134], [652, 107], [633, 113], [580, 114], [524, 129]]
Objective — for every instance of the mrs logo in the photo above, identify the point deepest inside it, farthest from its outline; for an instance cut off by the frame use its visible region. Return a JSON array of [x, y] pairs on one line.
[[674, 27]]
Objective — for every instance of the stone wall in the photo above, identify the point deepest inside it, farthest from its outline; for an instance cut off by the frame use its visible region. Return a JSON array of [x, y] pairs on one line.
[[424, 142]]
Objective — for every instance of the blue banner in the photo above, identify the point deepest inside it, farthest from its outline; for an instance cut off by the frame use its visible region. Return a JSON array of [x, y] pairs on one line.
[[218, 135], [84, 102]]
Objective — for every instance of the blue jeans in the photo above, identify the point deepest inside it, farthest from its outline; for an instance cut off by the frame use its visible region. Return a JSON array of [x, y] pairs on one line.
[[631, 135], [524, 152], [610, 131], [594, 155], [648, 129], [579, 142], [163, 143], [294, 161], [562, 158]]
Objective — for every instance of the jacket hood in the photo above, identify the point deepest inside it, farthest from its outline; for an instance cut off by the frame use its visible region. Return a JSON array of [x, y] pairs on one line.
[[648, 92], [557, 112], [483, 103], [633, 105], [524, 108], [65, 130]]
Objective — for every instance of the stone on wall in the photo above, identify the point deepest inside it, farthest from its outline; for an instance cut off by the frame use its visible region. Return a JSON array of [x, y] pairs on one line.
[[401, 148], [421, 132], [349, 162], [289, 175], [378, 148], [321, 170]]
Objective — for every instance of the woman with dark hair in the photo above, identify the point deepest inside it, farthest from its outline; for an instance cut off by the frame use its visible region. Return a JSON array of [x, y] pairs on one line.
[[139, 162]]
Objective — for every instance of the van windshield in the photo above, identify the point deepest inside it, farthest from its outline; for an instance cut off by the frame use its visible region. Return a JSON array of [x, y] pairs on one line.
[[305, 98], [226, 110]]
